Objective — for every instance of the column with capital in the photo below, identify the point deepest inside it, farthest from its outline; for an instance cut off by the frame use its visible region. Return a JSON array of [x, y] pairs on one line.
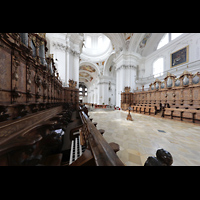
[[68, 65], [76, 56], [125, 77], [119, 85]]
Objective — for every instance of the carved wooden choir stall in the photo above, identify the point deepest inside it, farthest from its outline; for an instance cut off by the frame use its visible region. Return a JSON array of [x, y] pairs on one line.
[[41, 122], [175, 97]]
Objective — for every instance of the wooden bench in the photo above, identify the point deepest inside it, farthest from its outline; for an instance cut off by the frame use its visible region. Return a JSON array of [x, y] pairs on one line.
[[180, 112], [146, 108], [137, 108]]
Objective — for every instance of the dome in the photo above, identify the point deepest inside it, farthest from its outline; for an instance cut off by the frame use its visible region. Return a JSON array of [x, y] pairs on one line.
[[97, 47]]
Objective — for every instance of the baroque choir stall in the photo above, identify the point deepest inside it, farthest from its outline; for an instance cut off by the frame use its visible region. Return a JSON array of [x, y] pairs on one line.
[[41, 122], [174, 98]]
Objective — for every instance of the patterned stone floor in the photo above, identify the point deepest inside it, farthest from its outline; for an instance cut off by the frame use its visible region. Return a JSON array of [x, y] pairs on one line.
[[141, 137]]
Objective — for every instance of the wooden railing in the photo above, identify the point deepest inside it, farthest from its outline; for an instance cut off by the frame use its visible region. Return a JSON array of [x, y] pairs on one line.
[[102, 152]]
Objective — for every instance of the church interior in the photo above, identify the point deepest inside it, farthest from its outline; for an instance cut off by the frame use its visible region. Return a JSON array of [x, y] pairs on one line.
[[99, 99]]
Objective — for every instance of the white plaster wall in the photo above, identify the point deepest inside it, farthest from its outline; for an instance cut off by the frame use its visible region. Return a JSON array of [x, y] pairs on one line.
[[146, 64], [191, 39]]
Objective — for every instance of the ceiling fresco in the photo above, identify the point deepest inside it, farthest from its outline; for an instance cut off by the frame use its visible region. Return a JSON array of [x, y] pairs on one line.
[[128, 36], [144, 40], [85, 75], [87, 68]]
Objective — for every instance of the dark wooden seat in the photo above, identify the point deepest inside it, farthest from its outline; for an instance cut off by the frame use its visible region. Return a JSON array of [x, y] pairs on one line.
[[53, 160]]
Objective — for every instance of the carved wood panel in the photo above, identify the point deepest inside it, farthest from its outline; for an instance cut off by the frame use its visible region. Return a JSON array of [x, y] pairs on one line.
[[157, 97], [5, 69], [5, 76], [196, 95], [186, 96], [177, 96]]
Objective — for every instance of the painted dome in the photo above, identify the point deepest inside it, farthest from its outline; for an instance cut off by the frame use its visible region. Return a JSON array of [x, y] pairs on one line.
[[96, 47]]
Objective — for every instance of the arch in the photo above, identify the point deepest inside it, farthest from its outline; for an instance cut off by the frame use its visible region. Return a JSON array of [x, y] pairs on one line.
[[84, 78], [135, 40], [89, 73], [86, 75], [107, 64], [163, 41], [150, 46], [95, 66], [117, 39]]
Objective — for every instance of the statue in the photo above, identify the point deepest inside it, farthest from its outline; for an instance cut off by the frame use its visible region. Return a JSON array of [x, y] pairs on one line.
[[163, 158], [129, 115], [72, 83], [127, 89]]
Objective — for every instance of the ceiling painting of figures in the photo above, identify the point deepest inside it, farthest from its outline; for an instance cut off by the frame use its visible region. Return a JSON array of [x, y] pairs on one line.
[[85, 75], [87, 68]]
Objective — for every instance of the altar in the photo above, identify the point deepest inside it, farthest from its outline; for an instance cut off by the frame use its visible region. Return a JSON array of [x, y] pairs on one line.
[[101, 106]]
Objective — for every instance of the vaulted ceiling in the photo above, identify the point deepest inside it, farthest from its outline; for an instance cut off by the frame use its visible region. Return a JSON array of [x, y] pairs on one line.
[[135, 42], [138, 43], [131, 42]]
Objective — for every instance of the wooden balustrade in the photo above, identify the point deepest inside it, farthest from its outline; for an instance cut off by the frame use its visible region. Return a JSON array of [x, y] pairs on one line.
[[102, 152]]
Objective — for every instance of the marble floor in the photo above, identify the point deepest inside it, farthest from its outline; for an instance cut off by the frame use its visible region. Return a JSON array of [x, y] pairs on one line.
[[141, 137]]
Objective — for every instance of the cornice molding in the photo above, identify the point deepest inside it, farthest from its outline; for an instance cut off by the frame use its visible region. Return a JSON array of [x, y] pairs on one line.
[[66, 48], [126, 67]]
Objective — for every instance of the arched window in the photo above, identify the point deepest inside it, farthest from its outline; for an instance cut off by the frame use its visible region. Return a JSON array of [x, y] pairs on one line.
[[88, 42], [158, 67], [175, 35], [168, 37], [163, 41], [100, 41]]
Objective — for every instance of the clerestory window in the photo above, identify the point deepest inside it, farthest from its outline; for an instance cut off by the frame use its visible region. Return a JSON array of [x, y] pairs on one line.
[[167, 37]]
